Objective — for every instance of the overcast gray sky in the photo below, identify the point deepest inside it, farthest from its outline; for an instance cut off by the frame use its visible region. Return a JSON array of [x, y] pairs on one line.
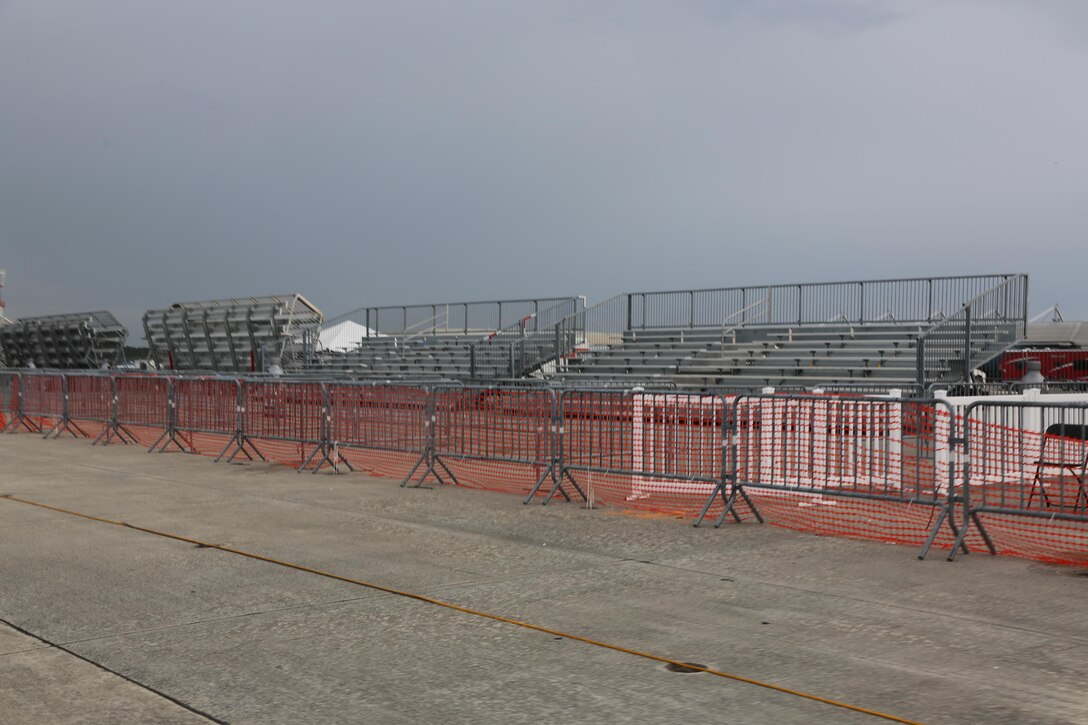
[[391, 152]]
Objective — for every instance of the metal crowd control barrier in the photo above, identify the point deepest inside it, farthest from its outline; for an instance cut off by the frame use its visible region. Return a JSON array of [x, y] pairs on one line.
[[10, 409], [664, 446], [887, 450], [366, 416], [210, 406], [45, 396], [1025, 459], [144, 401], [493, 424], [93, 398], [292, 412], [661, 450]]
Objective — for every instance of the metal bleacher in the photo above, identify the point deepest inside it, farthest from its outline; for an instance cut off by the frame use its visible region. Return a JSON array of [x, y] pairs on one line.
[[450, 340], [79, 340], [881, 333], [249, 334]]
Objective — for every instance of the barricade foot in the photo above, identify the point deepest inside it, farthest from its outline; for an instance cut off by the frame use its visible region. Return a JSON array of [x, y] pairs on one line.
[[558, 487], [240, 441], [330, 455], [959, 536], [165, 440], [112, 431], [65, 425], [21, 420], [439, 461], [719, 490], [429, 459], [984, 533], [737, 491], [549, 471]]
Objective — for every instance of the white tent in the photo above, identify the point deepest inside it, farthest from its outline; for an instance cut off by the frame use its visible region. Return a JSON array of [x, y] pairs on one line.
[[344, 335]]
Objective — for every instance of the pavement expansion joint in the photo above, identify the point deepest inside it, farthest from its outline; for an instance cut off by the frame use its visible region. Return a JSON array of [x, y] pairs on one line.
[[475, 613], [63, 648]]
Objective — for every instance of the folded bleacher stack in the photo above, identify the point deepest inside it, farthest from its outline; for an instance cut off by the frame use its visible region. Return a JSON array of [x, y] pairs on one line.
[[251, 334], [81, 340]]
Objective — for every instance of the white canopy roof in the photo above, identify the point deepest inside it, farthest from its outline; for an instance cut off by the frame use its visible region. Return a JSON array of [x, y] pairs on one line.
[[344, 335]]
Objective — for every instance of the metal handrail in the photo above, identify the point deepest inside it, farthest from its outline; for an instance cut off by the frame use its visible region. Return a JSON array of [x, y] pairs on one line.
[[764, 303], [422, 325], [965, 316], [912, 300]]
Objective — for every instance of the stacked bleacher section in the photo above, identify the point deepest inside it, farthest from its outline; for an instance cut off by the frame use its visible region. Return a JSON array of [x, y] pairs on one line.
[[251, 334], [81, 340], [883, 333], [449, 341]]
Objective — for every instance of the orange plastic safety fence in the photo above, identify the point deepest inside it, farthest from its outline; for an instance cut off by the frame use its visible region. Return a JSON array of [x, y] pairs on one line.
[[856, 467]]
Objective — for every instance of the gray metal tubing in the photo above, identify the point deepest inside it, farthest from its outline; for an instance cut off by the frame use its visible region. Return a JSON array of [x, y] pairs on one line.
[[823, 444], [377, 416], [461, 316], [294, 416], [477, 422], [605, 451], [1028, 458]]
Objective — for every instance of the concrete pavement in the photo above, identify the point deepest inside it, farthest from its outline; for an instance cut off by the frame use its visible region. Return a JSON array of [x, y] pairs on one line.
[[180, 633]]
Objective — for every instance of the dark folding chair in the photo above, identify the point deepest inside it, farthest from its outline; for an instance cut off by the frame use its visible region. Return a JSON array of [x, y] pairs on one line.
[[1071, 458]]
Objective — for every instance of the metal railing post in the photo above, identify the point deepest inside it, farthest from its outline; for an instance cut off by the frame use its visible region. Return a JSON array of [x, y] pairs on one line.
[[921, 362], [557, 348], [967, 343], [1024, 319]]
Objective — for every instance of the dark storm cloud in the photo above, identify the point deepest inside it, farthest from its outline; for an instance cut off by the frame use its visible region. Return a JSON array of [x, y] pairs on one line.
[[369, 153]]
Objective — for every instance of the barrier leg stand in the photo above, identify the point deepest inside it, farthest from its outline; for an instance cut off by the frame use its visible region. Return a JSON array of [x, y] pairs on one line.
[[104, 436], [330, 455], [737, 490], [122, 432], [960, 543], [168, 437], [21, 420], [719, 489], [439, 461], [319, 449], [428, 458], [549, 471], [555, 452], [336, 459], [240, 441], [958, 534], [412, 472], [558, 487], [984, 533], [114, 430], [65, 425]]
